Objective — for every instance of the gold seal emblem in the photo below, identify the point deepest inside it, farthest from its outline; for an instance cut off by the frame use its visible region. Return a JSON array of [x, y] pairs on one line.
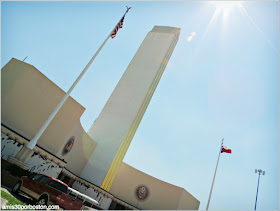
[[142, 192], [68, 146]]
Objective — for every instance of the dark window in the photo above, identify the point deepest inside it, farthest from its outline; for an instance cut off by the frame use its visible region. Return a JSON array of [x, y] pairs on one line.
[[87, 204], [37, 176], [43, 179], [66, 180], [60, 176], [91, 205], [59, 186], [119, 207]]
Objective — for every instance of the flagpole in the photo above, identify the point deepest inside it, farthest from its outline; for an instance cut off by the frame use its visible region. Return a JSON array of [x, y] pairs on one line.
[[33, 142], [214, 175], [257, 191]]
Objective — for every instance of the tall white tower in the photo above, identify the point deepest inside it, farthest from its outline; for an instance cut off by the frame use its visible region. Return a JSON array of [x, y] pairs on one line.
[[118, 121]]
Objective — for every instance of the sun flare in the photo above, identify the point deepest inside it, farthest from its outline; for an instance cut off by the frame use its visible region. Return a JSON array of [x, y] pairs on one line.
[[226, 5]]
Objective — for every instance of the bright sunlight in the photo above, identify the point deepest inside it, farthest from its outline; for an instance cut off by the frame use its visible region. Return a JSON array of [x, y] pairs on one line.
[[226, 6]]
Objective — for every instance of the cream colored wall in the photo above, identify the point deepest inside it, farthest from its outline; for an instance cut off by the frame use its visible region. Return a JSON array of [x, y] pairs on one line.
[[81, 151], [162, 196], [27, 99], [187, 200]]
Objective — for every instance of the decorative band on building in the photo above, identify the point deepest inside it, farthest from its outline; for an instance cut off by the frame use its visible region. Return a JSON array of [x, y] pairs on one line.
[[68, 146], [142, 192]]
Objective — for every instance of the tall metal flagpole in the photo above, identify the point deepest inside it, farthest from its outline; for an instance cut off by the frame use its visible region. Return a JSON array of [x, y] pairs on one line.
[[257, 191], [260, 172], [33, 142], [214, 175]]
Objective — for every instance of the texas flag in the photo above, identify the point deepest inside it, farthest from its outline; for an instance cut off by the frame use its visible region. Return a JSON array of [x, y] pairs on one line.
[[225, 149]]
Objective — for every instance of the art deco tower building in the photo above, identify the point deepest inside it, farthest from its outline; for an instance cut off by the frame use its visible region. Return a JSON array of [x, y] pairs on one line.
[[118, 121]]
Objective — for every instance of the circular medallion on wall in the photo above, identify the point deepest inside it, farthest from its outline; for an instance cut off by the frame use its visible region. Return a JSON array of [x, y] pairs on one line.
[[142, 192], [68, 146]]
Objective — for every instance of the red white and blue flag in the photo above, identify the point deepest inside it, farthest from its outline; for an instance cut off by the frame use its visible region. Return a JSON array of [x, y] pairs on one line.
[[119, 25], [225, 149]]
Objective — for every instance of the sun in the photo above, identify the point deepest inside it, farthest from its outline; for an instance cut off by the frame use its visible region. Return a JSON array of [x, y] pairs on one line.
[[225, 7]]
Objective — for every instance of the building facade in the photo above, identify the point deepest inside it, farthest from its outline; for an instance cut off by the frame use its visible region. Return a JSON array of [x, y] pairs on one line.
[[67, 152]]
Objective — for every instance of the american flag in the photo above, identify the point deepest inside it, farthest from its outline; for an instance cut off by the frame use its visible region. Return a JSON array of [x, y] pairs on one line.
[[119, 25]]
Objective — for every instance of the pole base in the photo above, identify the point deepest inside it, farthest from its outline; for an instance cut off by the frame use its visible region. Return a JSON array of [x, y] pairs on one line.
[[17, 162], [21, 158]]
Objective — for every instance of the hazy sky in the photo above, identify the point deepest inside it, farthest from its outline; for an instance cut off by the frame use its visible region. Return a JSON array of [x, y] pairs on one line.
[[222, 81]]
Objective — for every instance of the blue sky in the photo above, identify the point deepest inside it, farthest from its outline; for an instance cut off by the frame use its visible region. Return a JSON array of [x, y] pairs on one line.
[[222, 81]]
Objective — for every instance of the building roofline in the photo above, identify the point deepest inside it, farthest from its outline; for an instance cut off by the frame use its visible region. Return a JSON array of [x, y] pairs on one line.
[[24, 63], [183, 189]]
